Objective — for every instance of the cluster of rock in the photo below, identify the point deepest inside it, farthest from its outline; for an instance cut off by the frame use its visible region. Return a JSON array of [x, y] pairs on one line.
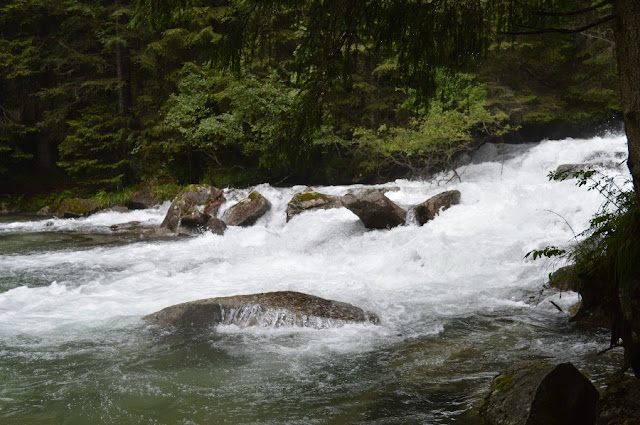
[[375, 210], [196, 207]]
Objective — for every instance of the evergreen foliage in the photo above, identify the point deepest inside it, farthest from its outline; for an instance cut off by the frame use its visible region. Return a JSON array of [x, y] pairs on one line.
[[115, 91]]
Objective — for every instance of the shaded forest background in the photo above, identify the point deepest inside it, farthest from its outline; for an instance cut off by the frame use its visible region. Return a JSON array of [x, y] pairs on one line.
[[95, 95]]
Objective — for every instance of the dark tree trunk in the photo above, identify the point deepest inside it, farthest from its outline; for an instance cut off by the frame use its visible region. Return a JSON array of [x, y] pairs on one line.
[[627, 35], [44, 153], [123, 70]]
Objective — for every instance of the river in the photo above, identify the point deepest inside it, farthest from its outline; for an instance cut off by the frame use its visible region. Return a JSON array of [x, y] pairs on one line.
[[456, 299]]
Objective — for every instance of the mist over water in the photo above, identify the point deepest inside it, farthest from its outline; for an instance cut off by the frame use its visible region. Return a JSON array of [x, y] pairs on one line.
[[455, 297]]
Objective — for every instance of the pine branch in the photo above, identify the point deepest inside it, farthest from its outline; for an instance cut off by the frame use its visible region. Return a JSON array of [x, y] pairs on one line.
[[574, 12], [535, 30]]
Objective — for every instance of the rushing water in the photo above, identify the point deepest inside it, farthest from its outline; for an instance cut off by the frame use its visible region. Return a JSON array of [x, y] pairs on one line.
[[456, 299]]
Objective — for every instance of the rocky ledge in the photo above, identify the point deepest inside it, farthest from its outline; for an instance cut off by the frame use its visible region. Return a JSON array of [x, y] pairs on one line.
[[270, 309]]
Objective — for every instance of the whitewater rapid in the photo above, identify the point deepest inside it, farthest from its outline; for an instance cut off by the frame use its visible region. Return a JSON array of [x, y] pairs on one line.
[[467, 263]]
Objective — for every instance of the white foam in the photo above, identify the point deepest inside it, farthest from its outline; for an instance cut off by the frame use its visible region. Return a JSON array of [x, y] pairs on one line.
[[468, 260]]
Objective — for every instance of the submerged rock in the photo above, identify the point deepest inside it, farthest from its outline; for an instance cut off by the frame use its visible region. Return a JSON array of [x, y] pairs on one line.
[[430, 208], [374, 209], [310, 200], [270, 309], [247, 211], [192, 208], [541, 394]]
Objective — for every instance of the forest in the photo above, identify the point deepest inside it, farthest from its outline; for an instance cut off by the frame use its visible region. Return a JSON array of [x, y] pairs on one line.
[[104, 95]]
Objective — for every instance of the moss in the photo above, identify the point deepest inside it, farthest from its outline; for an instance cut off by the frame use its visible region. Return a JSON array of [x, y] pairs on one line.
[[310, 196], [254, 196], [502, 382]]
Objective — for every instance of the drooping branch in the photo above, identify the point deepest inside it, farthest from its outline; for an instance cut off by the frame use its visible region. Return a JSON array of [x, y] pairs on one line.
[[574, 12], [536, 30]]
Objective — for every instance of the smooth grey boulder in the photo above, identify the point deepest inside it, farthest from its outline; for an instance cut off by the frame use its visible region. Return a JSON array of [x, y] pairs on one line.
[[430, 208], [311, 200], [247, 211], [541, 394], [374, 209], [192, 207], [620, 402], [270, 309]]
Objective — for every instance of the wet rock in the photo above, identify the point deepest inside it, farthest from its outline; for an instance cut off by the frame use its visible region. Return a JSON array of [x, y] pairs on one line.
[[374, 209], [541, 394], [271, 309], [192, 208], [216, 226], [565, 279], [125, 226], [247, 211], [430, 208], [4, 208], [76, 208], [620, 404], [310, 200]]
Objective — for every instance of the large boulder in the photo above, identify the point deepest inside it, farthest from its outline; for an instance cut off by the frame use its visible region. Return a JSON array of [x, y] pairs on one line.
[[192, 208], [620, 404], [310, 200], [541, 394], [76, 208], [374, 209], [271, 309], [247, 211], [430, 208]]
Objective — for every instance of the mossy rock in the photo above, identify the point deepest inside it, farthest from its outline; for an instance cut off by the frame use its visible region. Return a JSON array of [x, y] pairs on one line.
[[248, 211], [541, 394], [310, 200], [76, 208]]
